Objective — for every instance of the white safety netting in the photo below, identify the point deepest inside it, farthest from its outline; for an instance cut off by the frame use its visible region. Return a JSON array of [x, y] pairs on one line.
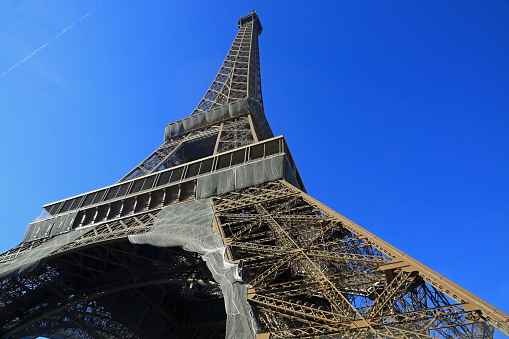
[[247, 175], [189, 225], [50, 227], [29, 260], [246, 106]]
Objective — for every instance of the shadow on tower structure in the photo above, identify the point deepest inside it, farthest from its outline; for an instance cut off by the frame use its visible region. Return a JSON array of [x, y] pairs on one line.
[[213, 235]]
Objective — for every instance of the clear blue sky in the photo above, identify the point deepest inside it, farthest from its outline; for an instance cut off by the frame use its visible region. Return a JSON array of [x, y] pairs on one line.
[[396, 112]]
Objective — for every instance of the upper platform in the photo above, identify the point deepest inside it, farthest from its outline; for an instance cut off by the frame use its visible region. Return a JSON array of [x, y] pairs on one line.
[[254, 18]]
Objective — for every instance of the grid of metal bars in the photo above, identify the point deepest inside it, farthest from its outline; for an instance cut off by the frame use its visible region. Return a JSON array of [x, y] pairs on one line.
[[313, 273], [239, 75]]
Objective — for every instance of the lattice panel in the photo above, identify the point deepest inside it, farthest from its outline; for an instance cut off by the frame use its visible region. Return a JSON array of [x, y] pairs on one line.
[[75, 293], [235, 133], [312, 274], [239, 75], [167, 155]]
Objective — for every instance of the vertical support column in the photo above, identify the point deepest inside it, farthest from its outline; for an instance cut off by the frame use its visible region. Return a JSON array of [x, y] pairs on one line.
[[251, 125], [218, 138]]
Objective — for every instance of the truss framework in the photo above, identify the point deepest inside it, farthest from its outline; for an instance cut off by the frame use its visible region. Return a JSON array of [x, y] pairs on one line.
[[313, 273], [172, 185], [310, 271], [167, 155], [228, 135], [100, 285], [239, 75]]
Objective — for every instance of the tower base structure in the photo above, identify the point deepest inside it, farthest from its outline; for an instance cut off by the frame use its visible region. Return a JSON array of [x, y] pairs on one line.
[[213, 235]]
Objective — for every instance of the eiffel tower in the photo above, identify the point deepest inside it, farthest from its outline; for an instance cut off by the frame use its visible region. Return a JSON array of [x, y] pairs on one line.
[[213, 235]]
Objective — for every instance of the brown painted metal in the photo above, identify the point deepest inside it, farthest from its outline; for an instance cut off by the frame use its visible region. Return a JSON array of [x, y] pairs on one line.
[[313, 272], [239, 75], [310, 271]]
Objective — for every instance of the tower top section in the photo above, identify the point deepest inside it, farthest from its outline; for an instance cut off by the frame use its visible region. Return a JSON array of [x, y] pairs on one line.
[[239, 76], [254, 18]]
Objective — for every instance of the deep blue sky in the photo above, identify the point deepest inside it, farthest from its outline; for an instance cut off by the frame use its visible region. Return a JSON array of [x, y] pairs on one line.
[[396, 112]]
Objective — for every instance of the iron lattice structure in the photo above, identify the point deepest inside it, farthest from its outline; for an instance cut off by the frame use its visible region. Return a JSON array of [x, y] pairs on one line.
[[302, 269], [239, 76]]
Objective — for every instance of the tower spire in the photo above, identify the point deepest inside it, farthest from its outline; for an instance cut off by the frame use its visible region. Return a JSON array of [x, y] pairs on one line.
[[239, 75]]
